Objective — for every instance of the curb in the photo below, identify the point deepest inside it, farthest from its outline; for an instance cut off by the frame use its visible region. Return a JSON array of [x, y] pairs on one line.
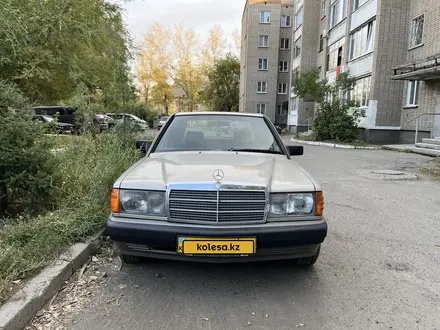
[[332, 145], [19, 310]]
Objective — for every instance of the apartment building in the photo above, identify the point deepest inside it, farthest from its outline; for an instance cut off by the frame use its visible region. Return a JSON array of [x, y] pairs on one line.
[[266, 58], [390, 46]]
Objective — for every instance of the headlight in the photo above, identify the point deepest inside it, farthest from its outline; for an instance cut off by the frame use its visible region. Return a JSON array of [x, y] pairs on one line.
[[142, 202], [291, 204]]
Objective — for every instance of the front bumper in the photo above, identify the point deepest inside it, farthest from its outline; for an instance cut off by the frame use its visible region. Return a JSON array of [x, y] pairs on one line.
[[274, 240]]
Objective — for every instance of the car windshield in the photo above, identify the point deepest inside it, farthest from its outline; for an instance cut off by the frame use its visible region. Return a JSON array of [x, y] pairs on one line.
[[164, 118], [135, 118], [218, 132], [48, 118]]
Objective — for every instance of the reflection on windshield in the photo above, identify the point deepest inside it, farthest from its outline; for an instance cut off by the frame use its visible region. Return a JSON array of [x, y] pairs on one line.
[[218, 132], [49, 119]]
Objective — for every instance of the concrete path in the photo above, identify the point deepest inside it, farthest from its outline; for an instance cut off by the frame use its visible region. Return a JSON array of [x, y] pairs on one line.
[[379, 268]]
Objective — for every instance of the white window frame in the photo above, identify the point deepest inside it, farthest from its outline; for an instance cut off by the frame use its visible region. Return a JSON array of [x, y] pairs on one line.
[[263, 16], [296, 50], [356, 40], [299, 17], [413, 28], [262, 87], [362, 91], [283, 66], [286, 19], [358, 4], [295, 104], [338, 12], [283, 42], [262, 61], [323, 9], [263, 37], [282, 88], [261, 108], [412, 96]]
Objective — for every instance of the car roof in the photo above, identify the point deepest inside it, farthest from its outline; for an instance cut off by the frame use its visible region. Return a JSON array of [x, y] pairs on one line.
[[238, 114]]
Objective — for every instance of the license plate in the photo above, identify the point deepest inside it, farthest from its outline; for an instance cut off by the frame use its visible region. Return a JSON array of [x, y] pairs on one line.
[[216, 246]]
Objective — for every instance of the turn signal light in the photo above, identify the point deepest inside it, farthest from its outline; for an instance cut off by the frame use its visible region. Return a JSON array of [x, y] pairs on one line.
[[319, 204], [115, 201]]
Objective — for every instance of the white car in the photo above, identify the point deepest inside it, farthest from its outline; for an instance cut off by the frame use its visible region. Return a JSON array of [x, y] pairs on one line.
[[129, 118], [199, 196]]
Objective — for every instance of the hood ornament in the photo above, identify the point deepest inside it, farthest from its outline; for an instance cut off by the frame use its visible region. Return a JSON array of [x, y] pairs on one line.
[[218, 175]]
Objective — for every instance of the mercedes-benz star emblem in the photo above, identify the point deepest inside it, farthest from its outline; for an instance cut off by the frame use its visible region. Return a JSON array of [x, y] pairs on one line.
[[218, 175]]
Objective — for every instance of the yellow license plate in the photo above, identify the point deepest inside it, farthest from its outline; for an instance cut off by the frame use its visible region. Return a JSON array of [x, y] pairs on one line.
[[216, 246]]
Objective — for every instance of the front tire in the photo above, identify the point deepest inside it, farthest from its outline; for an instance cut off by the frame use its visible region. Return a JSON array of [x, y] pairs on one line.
[[130, 259], [309, 261]]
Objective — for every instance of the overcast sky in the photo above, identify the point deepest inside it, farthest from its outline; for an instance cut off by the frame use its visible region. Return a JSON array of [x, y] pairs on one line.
[[200, 15]]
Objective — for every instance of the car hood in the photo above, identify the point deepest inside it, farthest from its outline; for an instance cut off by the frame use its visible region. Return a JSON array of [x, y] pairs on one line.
[[276, 172]]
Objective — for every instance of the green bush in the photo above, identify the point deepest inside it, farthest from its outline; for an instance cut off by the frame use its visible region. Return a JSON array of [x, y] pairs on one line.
[[86, 170], [27, 165], [334, 123]]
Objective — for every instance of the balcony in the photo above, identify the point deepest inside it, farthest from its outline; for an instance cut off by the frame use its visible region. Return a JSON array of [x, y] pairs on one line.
[[427, 69]]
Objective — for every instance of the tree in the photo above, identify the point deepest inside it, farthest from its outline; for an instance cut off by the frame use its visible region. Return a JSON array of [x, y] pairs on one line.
[[49, 47], [222, 92], [215, 46], [236, 37], [188, 71], [154, 65], [332, 121]]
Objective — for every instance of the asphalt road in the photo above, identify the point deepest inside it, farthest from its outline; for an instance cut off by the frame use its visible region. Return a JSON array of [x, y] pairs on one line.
[[379, 267]]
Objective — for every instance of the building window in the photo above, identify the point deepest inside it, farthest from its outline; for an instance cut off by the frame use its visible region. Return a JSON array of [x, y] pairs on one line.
[[299, 17], [338, 12], [417, 31], [335, 55], [263, 64], [285, 44], [282, 88], [362, 41], [323, 9], [262, 87], [263, 41], [295, 105], [284, 66], [281, 111], [264, 17], [286, 21], [412, 93], [321, 43], [261, 108], [297, 48], [361, 92], [358, 3]]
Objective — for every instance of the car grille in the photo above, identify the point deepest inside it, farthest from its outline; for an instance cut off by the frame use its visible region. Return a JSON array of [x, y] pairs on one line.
[[213, 206]]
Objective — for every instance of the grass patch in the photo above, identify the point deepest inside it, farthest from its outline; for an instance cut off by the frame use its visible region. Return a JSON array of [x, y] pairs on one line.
[[87, 169]]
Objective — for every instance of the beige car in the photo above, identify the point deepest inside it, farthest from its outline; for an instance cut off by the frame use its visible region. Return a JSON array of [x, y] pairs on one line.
[[217, 194]]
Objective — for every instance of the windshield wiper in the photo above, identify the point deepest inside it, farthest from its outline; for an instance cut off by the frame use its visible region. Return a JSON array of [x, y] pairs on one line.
[[264, 151]]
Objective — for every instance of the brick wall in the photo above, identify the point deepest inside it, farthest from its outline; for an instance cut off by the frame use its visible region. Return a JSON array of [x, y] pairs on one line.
[[390, 50]]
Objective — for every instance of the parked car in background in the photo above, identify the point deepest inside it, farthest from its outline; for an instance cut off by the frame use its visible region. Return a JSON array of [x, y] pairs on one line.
[[101, 122], [110, 121], [162, 121], [53, 125], [70, 115], [198, 196], [129, 119]]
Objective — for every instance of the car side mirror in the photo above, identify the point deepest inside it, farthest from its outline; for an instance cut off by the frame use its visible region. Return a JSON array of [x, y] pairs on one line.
[[295, 150], [143, 146]]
